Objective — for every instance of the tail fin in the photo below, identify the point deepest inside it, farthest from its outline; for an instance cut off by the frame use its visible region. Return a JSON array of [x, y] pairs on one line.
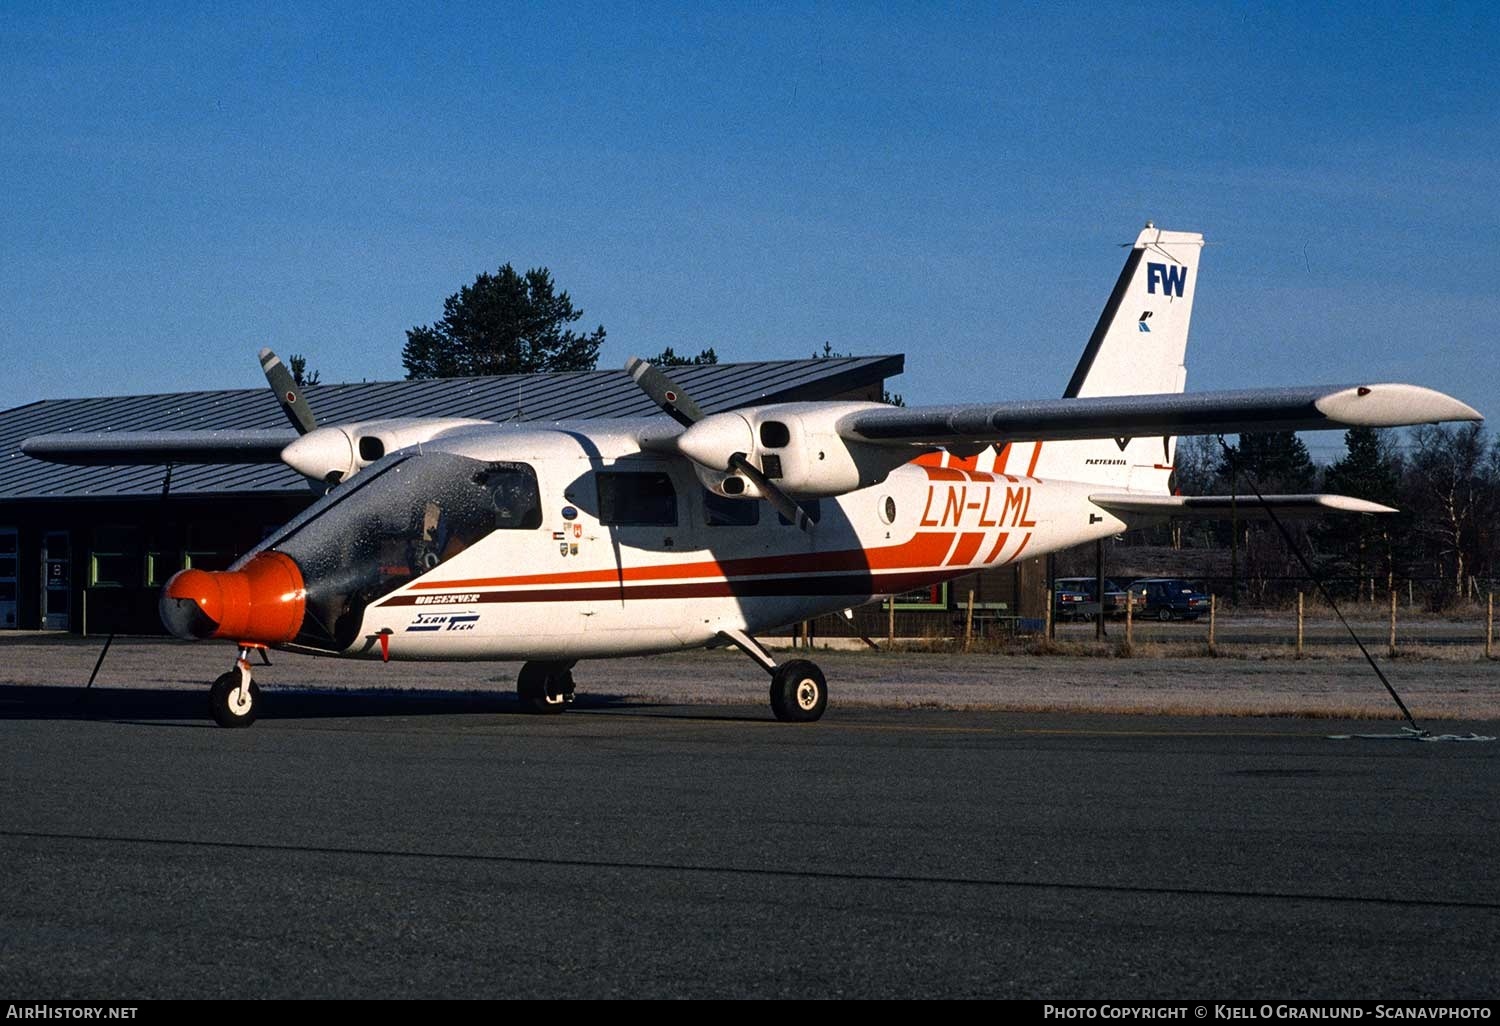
[[1137, 348]]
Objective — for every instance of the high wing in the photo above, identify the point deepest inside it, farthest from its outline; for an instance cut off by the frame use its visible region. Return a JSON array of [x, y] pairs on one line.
[[1135, 416], [116, 448]]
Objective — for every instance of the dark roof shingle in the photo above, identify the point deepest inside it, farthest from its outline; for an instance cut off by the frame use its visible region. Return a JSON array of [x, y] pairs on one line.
[[566, 396]]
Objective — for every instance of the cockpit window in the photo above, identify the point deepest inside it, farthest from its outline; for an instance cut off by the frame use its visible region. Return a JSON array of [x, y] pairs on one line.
[[374, 535]]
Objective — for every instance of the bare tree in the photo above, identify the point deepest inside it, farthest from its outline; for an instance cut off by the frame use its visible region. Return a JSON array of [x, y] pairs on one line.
[[1450, 488]]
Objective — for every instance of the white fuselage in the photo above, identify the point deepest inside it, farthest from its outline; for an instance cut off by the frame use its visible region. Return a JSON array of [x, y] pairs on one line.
[[577, 587]]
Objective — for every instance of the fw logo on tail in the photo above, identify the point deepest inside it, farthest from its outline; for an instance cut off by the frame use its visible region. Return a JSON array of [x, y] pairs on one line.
[[1172, 279]]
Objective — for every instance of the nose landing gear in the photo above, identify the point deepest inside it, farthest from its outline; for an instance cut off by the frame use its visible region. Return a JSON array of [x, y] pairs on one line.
[[545, 688], [234, 696]]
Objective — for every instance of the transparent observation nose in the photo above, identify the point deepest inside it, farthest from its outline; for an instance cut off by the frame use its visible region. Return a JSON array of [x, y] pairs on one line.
[[263, 601]]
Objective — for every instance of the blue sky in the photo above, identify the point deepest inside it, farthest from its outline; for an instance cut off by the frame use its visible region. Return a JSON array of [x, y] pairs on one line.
[[182, 185]]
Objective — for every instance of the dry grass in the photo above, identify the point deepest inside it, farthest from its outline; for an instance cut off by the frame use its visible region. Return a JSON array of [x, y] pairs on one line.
[[1187, 649]]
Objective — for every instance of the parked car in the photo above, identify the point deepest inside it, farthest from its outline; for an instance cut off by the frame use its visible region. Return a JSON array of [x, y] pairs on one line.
[[1076, 598], [1168, 598], [1070, 603]]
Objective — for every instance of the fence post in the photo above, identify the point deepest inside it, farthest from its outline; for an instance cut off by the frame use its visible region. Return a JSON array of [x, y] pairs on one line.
[[1489, 628], [1392, 641], [890, 623], [969, 622], [1213, 609], [1047, 631], [1129, 619], [1299, 625]]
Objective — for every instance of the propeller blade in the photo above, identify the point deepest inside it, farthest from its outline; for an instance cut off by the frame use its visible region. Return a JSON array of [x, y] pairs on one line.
[[672, 399], [779, 500], [288, 394], [664, 392]]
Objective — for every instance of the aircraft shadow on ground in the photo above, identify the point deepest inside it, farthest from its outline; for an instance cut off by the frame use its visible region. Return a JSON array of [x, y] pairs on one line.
[[29, 702]]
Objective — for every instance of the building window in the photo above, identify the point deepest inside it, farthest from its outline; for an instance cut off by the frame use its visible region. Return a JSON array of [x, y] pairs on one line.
[[719, 511], [115, 558], [933, 596], [160, 566], [210, 546], [636, 499]]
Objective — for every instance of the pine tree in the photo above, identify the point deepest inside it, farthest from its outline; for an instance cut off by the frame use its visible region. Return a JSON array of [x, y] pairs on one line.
[[504, 323]]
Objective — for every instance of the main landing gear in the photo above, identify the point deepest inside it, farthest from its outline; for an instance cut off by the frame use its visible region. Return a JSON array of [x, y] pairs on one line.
[[545, 688], [234, 696], [799, 691]]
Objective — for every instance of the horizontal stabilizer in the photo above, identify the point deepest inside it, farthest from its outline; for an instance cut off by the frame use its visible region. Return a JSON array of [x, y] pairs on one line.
[[1243, 507], [117, 448], [1140, 416]]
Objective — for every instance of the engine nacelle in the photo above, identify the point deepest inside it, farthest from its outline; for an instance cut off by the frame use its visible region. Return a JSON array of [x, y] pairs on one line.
[[339, 451], [796, 445]]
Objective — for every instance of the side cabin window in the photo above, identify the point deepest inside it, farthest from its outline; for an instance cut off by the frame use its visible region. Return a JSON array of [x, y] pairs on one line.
[[636, 498], [719, 511], [518, 501], [812, 507]]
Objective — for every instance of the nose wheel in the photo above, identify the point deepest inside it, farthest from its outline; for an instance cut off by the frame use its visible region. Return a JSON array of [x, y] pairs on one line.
[[545, 688], [234, 698]]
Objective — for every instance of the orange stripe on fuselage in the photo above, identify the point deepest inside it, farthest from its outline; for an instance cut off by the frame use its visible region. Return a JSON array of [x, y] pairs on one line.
[[999, 544], [926, 549], [1036, 454], [968, 545]]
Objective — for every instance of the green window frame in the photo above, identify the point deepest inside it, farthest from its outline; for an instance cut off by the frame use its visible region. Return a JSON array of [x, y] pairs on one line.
[[115, 558], [932, 597]]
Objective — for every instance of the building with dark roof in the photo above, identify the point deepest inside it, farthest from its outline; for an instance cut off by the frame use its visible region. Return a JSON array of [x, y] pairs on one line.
[[88, 548]]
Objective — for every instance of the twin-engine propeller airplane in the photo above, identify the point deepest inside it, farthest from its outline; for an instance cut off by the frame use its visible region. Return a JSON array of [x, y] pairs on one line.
[[556, 542]]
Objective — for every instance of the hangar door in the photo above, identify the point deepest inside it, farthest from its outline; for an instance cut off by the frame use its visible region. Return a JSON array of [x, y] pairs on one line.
[[57, 581]]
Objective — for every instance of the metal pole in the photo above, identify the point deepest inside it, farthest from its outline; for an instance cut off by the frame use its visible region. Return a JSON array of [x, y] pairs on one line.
[[1129, 621], [890, 625], [1047, 631], [1099, 588], [1489, 628], [1051, 594], [1213, 609]]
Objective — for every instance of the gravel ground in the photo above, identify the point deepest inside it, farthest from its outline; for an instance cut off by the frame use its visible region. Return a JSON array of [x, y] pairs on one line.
[[1333, 688]]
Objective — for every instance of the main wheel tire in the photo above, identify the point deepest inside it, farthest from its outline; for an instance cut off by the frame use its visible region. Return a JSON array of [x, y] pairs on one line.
[[229, 707], [1164, 614], [799, 692], [544, 688]]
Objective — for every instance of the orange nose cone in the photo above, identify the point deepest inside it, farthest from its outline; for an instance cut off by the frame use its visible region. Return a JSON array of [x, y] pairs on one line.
[[263, 601]]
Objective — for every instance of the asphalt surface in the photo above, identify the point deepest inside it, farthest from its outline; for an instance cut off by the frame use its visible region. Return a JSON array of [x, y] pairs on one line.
[[431, 845]]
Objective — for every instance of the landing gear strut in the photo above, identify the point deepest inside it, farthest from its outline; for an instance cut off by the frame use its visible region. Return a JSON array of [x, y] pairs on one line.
[[545, 688], [234, 696], [799, 691]]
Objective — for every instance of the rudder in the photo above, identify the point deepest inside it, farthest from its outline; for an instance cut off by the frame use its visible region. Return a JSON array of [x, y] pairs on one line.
[[1138, 347]]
